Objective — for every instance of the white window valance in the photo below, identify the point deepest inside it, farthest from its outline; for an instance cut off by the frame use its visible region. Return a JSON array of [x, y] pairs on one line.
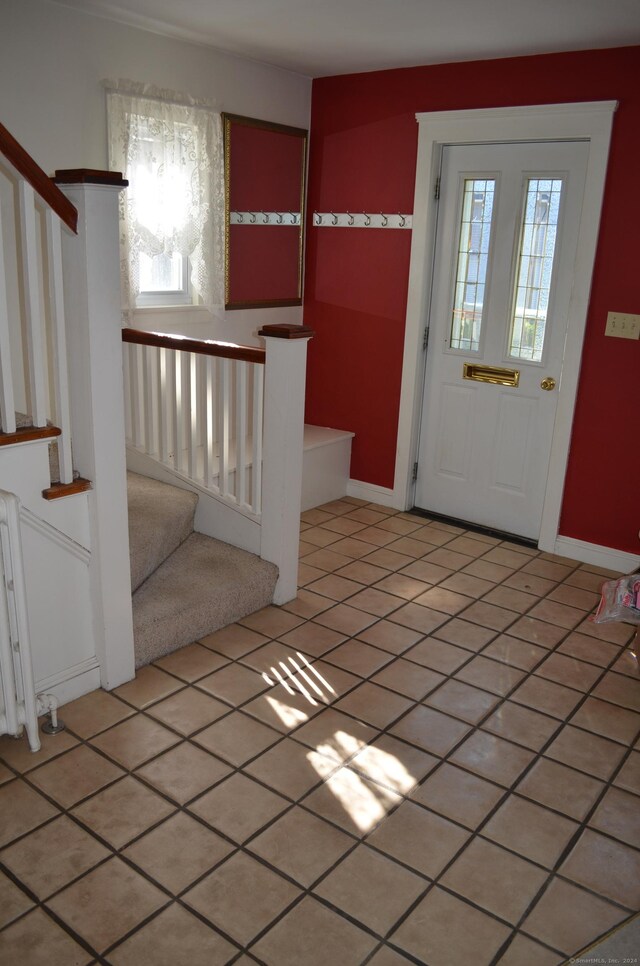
[[170, 148]]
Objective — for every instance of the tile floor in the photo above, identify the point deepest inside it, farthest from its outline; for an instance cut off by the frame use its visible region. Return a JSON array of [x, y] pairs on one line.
[[430, 756]]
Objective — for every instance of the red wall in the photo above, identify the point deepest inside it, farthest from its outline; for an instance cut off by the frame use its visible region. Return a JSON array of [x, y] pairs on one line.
[[363, 157]]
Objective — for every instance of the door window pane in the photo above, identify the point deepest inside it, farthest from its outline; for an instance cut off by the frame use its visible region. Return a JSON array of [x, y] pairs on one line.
[[538, 235], [472, 260]]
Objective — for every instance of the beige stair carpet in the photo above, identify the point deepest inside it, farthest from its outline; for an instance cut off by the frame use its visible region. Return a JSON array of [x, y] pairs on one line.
[[203, 586], [160, 519]]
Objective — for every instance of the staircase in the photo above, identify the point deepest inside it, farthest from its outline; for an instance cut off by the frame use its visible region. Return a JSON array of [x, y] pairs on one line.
[[185, 585]]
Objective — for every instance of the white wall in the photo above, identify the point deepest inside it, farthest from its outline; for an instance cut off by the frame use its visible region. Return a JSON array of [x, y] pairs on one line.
[[52, 59]]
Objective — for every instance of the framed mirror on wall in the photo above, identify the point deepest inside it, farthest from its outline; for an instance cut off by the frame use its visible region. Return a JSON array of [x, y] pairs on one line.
[[265, 167]]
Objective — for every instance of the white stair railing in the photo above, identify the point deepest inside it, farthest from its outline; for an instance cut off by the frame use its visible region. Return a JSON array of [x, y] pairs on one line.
[[197, 408]]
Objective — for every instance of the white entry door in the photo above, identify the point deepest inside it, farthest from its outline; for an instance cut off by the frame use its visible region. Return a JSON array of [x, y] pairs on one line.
[[503, 268]]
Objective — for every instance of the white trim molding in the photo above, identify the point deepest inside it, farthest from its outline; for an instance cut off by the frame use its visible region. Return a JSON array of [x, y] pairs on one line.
[[550, 122], [593, 553], [373, 493]]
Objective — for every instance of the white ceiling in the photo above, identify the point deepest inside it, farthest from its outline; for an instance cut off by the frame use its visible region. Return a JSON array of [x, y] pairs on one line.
[[323, 37]]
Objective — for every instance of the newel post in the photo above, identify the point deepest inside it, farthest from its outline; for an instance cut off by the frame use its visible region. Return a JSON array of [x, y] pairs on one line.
[[91, 265], [285, 377]]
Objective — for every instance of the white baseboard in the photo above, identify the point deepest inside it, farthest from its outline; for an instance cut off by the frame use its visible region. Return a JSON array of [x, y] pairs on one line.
[[593, 553], [372, 493], [72, 682]]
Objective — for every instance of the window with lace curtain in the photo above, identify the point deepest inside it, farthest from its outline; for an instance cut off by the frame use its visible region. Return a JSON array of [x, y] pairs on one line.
[[172, 213]]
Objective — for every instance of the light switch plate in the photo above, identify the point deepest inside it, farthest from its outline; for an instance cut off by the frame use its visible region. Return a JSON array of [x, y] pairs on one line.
[[622, 325]]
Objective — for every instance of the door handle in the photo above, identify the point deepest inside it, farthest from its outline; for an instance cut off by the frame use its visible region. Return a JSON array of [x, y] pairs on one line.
[[548, 383]]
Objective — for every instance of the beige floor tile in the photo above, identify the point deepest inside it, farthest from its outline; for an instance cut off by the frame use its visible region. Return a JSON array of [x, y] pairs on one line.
[[284, 711], [490, 616], [313, 637], [271, 621], [265, 658], [620, 690], [431, 534], [13, 901], [494, 676], [16, 752], [122, 811], [533, 832], [419, 618], [343, 526], [629, 775], [326, 561], [401, 527], [505, 557], [49, 858], [560, 788], [378, 537], [107, 903], [135, 741], [408, 678], [178, 851], [192, 662], [401, 586], [375, 602], [431, 730], [36, 940], [422, 840], [237, 738], [307, 604], [457, 795], [359, 658], [472, 637], [442, 931], [315, 516], [618, 814], [364, 573], [486, 570], [607, 719], [393, 763], [615, 632], [557, 613], [530, 584], [188, 711], [525, 952], [175, 936], [537, 632], [587, 752], [234, 641], [301, 845], [545, 568], [462, 701], [516, 653], [335, 735], [569, 918], [368, 516], [5, 774], [387, 957], [234, 684], [546, 696], [426, 571], [445, 557], [585, 580], [443, 600], [219, 807], [388, 559], [314, 935], [495, 879], [184, 771], [605, 866], [93, 713], [512, 599], [468, 545], [371, 888], [575, 597], [73, 776], [355, 549], [333, 680], [346, 619], [334, 587], [438, 655], [345, 505], [389, 636], [493, 758], [291, 768], [568, 671], [149, 685], [351, 801], [521, 725], [627, 663], [22, 810], [319, 537], [467, 584], [375, 705], [307, 574], [242, 897]]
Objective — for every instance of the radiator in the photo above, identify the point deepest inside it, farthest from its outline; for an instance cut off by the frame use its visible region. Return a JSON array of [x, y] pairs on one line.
[[18, 701]]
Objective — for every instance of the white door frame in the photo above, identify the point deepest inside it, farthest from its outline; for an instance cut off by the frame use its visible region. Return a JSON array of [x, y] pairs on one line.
[[589, 121]]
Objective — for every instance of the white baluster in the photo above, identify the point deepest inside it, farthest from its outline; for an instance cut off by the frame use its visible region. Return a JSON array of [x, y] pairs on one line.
[[224, 422], [33, 315], [59, 344], [147, 399], [256, 472], [183, 395], [209, 417], [136, 396], [241, 432], [173, 409], [127, 350], [192, 435], [7, 399], [163, 409]]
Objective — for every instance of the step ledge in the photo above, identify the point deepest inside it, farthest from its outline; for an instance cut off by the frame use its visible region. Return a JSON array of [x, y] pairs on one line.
[[28, 434], [58, 490], [318, 436]]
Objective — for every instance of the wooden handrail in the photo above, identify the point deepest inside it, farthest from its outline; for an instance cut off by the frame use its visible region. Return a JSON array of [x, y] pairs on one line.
[[203, 347], [38, 180]]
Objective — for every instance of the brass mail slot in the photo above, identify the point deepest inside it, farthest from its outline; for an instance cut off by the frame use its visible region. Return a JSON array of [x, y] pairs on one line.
[[499, 377]]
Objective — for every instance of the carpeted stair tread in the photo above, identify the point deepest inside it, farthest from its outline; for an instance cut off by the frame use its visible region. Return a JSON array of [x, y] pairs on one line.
[[203, 586], [160, 519]]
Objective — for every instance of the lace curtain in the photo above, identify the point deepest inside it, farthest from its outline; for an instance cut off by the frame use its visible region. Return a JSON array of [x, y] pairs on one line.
[[172, 155]]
